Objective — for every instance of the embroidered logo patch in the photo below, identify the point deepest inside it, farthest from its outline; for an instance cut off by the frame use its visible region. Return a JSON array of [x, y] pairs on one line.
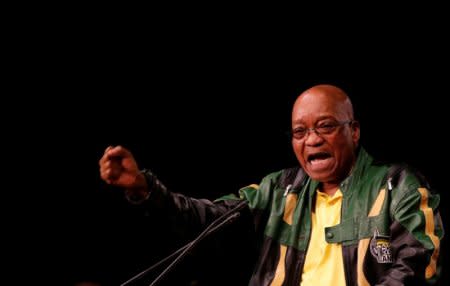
[[380, 248]]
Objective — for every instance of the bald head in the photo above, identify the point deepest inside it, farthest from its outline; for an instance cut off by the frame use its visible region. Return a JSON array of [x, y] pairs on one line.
[[328, 95]]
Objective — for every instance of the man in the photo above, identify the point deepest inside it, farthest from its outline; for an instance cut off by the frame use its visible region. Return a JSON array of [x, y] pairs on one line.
[[339, 219]]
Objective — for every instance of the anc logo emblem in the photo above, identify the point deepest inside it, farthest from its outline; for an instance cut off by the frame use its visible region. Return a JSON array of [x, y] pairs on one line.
[[380, 248]]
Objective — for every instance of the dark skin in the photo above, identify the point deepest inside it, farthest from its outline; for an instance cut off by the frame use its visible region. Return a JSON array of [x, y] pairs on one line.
[[119, 168], [327, 158]]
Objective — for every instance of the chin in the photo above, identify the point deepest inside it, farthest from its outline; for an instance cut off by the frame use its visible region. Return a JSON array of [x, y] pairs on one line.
[[317, 177], [321, 177]]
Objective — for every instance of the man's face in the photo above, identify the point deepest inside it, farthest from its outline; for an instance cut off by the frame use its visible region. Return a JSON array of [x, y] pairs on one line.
[[329, 156]]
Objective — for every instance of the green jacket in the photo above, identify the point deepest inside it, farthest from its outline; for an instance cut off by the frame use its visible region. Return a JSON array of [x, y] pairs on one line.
[[390, 227]]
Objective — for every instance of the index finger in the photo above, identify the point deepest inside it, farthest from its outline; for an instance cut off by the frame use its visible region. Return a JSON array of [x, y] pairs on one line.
[[105, 156], [117, 151]]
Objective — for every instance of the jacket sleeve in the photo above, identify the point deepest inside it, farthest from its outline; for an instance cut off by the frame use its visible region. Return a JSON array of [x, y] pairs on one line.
[[416, 235], [185, 216]]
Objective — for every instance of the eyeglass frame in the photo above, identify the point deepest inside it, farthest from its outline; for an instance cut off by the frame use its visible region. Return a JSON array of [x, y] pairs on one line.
[[319, 133]]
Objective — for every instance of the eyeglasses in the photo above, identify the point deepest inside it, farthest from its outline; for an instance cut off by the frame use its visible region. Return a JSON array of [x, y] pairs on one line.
[[324, 128]]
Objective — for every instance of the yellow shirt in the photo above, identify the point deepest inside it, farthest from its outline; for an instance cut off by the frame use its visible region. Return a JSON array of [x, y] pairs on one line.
[[324, 263]]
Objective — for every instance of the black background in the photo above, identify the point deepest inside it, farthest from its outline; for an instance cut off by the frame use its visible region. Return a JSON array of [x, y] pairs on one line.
[[204, 100]]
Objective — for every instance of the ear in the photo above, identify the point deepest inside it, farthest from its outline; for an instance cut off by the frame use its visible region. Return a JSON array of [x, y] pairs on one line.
[[355, 129]]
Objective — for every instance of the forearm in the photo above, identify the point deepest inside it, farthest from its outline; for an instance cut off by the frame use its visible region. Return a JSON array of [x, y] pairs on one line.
[[186, 216]]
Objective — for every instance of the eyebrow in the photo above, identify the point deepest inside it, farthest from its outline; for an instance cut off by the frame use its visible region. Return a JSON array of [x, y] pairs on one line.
[[320, 118]]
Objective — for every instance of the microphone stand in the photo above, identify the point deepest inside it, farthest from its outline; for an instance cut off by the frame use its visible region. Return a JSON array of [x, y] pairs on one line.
[[225, 219]]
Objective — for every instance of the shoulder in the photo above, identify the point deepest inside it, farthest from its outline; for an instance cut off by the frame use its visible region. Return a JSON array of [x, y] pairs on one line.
[[408, 186], [271, 183], [285, 177], [404, 177], [398, 176]]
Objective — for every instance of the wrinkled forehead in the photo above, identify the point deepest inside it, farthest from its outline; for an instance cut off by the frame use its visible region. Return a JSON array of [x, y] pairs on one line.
[[321, 105]]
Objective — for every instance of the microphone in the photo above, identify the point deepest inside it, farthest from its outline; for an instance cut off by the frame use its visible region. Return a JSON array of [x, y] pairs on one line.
[[225, 219]]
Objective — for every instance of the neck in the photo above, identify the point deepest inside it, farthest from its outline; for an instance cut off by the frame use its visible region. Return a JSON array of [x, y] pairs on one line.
[[329, 188]]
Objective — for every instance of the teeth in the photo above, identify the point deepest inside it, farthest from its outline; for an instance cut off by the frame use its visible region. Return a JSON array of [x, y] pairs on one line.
[[319, 156]]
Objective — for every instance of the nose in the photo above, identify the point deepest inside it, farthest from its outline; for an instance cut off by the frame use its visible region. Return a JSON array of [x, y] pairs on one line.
[[312, 138]]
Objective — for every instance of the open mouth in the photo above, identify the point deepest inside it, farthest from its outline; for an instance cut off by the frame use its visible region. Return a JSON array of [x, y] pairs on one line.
[[318, 156]]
